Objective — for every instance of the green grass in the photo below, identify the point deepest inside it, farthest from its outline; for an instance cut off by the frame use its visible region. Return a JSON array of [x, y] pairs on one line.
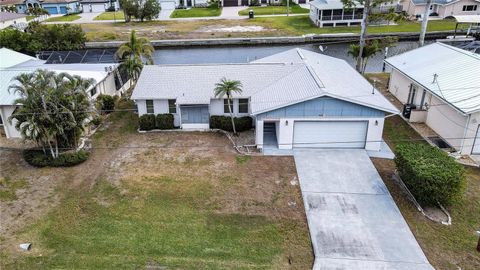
[[154, 221], [274, 10], [242, 159], [110, 15], [211, 11], [64, 18], [301, 25], [8, 188], [30, 17]]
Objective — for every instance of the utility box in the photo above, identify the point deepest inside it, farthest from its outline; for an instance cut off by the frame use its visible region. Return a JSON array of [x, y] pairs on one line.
[[251, 14]]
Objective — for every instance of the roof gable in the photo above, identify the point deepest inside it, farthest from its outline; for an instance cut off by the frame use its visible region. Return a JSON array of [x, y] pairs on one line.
[[12, 58]]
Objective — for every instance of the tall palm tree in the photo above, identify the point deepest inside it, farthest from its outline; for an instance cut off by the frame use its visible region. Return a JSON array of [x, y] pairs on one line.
[[227, 88], [136, 47], [133, 66], [426, 14]]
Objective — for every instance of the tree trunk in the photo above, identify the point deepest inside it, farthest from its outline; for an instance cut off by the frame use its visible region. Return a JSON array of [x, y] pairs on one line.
[[423, 31], [231, 115], [51, 149], [363, 34]]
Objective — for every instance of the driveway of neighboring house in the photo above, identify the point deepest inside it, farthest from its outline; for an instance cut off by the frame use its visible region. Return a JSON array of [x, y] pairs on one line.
[[353, 221], [232, 13], [165, 14]]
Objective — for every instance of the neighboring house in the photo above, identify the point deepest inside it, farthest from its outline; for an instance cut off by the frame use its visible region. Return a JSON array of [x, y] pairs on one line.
[[172, 4], [9, 3], [9, 19], [14, 63], [296, 98], [332, 13], [442, 8], [442, 83], [52, 6], [95, 6]]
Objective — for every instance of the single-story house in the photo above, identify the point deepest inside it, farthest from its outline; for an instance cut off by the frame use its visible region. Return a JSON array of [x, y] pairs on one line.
[[14, 63], [52, 6], [95, 6], [441, 84], [442, 8], [296, 98], [9, 18], [332, 13], [234, 3]]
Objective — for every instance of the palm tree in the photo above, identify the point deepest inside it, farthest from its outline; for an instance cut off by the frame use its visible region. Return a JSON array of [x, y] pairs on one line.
[[227, 88], [423, 30], [136, 47], [135, 53]]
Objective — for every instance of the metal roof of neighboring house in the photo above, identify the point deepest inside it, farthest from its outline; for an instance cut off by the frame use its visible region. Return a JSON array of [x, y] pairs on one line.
[[8, 16], [12, 58], [450, 73], [330, 4], [276, 81], [30, 64]]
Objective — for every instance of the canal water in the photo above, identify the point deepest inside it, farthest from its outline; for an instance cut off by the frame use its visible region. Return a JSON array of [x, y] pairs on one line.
[[243, 54]]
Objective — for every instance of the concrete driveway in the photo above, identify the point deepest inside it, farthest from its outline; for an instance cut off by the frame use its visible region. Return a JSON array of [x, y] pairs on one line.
[[353, 221]]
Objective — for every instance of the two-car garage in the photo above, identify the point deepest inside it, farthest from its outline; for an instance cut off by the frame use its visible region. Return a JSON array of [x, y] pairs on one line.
[[330, 134]]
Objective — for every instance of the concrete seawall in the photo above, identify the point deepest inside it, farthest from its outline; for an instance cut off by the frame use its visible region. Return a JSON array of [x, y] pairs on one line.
[[347, 37]]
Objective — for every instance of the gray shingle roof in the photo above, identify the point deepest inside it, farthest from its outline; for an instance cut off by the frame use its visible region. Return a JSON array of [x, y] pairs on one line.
[[458, 73], [272, 82]]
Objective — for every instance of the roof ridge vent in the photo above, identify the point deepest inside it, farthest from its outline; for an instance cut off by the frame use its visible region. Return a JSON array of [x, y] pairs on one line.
[[300, 54]]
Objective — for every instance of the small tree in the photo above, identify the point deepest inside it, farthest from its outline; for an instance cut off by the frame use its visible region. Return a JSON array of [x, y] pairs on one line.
[[147, 10], [372, 47], [130, 9], [227, 88]]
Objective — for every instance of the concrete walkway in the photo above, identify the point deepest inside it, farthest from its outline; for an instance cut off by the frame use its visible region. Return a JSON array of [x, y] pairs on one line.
[[354, 222]]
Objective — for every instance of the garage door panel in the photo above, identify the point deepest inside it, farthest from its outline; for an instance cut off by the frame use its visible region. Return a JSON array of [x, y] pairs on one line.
[[330, 134]]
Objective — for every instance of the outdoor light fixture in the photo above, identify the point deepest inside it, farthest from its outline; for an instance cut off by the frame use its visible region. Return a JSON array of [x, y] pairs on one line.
[[286, 123], [376, 122]]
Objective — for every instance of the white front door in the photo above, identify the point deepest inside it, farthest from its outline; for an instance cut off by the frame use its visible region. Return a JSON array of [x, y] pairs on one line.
[[330, 134]]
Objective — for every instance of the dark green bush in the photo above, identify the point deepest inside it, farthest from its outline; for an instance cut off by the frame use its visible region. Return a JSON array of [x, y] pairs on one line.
[[37, 158], [431, 175], [97, 120], [165, 121], [225, 123], [106, 103], [147, 122]]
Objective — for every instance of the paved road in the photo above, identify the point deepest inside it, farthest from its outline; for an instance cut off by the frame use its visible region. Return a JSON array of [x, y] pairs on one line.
[[353, 221]]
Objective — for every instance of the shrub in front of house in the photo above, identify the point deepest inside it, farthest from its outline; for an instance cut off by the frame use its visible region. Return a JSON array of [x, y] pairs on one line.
[[106, 103], [38, 158], [430, 174], [165, 121], [147, 122], [225, 123]]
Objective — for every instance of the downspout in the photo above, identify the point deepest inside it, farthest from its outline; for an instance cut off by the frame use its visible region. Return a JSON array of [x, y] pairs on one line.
[[465, 133]]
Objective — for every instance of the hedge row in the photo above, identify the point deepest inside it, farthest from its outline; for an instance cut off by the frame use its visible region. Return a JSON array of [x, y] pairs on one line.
[[37, 158], [430, 174], [161, 121], [225, 123]]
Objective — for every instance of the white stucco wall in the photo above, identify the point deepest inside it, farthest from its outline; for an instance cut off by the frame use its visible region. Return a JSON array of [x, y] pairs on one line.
[[399, 86], [447, 122], [442, 10], [6, 111], [285, 129], [216, 108]]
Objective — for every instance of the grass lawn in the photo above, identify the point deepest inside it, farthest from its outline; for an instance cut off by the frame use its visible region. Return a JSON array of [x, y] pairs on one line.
[[110, 15], [30, 17], [173, 200], [446, 247], [301, 25], [211, 11], [64, 18], [272, 26], [274, 10]]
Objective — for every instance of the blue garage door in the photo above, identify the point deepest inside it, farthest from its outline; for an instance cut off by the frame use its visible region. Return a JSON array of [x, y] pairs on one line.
[[52, 10], [63, 10]]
